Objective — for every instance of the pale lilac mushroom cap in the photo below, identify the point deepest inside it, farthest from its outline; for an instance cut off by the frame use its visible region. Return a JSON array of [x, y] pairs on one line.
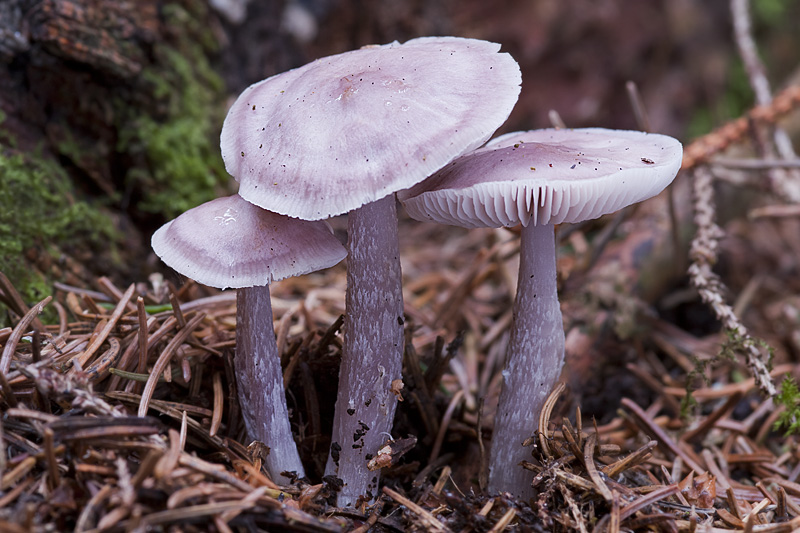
[[538, 179], [231, 243], [547, 176], [349, 129]]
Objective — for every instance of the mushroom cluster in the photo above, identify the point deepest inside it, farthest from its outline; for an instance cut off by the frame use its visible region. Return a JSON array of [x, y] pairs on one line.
[[343, 134]]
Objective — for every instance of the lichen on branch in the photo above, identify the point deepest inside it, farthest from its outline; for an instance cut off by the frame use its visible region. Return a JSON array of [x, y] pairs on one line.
[[703, 254]]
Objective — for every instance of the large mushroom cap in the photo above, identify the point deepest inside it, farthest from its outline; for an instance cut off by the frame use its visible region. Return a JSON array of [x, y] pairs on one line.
[[229, 242], [349, 129], [547, 177]]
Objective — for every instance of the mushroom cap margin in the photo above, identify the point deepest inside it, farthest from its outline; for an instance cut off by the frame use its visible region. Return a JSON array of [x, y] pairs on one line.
[[547, 176], [231, 243]]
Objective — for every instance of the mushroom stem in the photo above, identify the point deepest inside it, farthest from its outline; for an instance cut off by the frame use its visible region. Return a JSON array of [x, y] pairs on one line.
[[260, 382], [372, 353], [533, 363]]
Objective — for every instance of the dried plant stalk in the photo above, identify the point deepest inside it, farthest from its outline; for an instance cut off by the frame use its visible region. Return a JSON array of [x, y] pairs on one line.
[[703, 255], [704, 148]]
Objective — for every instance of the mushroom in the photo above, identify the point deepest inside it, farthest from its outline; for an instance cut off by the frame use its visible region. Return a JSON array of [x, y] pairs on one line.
[[538, 179], [229, 242], [343, 134]]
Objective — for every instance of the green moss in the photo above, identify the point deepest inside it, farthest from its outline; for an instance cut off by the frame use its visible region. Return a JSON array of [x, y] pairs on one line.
[[6, 139], [772, 12], [38, 209], [789, 399], [168, 138], [180, 141]]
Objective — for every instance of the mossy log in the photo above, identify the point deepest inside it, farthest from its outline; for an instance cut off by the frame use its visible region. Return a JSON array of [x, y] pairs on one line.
[[109, 123]]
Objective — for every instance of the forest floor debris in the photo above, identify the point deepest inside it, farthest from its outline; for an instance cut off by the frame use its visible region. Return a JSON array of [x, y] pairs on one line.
[[76, 457]]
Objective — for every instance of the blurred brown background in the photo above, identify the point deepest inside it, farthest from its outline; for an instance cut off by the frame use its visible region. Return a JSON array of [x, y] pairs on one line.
[[117, 105], [576, 55]]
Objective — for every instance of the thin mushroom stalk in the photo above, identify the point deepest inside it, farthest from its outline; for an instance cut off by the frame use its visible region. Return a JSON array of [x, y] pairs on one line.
[[259, 379], [535, 359], [372, 352]]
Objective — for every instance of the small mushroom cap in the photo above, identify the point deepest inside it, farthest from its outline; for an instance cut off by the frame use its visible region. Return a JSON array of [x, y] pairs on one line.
[[229, 242], [547, 177], [352, 128]]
